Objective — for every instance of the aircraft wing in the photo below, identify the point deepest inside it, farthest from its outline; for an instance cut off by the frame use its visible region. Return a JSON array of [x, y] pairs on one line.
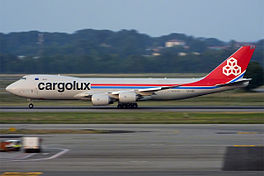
[[84, 95], [151, 91], [115, 94], [148, 91]]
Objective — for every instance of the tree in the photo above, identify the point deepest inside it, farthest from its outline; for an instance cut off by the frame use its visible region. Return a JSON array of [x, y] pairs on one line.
[[254, 71]]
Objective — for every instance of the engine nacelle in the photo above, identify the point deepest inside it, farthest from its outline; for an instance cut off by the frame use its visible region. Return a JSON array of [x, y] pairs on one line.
[[100, 99], [127, 97]]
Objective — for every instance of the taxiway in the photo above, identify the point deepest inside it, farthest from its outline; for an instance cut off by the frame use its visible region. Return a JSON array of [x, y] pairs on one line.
[[144, 150]]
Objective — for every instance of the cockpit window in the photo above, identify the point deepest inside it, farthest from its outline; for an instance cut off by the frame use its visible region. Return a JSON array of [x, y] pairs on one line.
[[24, 78]]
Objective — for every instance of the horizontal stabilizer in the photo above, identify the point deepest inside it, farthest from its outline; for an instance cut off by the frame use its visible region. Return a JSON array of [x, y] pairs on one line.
[[239, 82]]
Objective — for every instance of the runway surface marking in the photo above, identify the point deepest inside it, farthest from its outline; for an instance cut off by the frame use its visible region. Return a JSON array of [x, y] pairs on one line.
[[30, 156], [244, 145], [245, 132]]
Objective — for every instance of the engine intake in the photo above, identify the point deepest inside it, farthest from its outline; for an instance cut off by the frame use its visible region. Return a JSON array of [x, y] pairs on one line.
[[100, 99], [127, 97]]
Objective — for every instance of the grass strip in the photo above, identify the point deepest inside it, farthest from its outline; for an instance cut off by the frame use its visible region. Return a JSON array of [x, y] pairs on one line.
[[132, 117]]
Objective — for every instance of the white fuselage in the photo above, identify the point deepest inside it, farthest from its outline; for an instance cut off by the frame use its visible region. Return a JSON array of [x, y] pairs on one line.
[[68, 88]]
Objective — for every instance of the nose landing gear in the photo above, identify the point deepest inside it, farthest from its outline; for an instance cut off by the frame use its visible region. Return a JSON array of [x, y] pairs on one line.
[[127, 106], [30, 106]]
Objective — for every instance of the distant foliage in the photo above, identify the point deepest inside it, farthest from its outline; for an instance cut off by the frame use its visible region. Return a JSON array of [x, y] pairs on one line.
[[256, 73], [105, 51]]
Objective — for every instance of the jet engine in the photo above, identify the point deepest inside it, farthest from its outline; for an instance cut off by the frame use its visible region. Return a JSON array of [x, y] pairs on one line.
[[127, 97], [100, 99]]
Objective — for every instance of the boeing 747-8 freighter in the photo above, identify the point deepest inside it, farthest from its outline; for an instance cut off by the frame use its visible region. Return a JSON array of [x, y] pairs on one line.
[[127, 91]]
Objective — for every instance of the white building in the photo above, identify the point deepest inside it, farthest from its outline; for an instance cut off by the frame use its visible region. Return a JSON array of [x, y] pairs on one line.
[[172, 43], [155, 54], [182, 54], [196, 53]]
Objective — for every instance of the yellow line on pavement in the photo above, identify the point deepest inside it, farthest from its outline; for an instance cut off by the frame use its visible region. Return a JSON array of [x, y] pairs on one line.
[[241, 132], [244, 145]]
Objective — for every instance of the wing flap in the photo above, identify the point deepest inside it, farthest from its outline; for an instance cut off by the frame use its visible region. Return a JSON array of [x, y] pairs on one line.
[[83, 96], [151, 91]]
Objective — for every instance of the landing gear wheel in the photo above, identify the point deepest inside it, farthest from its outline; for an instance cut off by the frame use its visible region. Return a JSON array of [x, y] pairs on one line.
[[30, 106], [135, 105], [127, 106], [130, 105]]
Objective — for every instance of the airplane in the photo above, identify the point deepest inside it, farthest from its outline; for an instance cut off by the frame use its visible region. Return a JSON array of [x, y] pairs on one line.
[[128, 91]]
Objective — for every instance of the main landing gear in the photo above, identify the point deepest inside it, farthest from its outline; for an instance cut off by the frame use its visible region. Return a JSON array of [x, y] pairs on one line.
[[127, 106]]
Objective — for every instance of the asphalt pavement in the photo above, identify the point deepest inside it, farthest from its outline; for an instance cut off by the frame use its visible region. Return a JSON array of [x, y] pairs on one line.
[[145, 150]]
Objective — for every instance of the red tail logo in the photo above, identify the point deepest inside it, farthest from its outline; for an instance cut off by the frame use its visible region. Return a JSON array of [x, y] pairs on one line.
[[231, 67]]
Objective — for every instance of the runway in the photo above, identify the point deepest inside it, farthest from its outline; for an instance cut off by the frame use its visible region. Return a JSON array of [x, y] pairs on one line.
[[147, 150], [140, 109]]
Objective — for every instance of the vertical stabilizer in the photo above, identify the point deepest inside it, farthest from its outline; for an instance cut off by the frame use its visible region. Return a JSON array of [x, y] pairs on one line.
[[232, 69]]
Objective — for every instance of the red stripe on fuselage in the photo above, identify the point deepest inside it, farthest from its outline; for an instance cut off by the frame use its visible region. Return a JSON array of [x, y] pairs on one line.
[[134, 85]]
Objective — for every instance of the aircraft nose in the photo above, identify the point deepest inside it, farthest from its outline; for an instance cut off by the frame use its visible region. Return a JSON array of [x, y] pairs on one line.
[[11, 88]]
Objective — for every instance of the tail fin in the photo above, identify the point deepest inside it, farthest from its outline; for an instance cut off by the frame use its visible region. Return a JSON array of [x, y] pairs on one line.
[[232, 69]]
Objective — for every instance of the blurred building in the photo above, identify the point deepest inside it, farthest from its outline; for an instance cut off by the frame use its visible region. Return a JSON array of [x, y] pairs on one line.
[[182, 54], [155, 54], [172, 43]]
